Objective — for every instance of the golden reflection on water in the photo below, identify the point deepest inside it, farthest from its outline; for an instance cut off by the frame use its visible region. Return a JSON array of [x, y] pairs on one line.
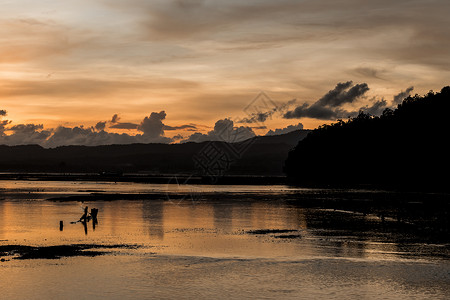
[[214, 228], [191, 248], [208, 227]]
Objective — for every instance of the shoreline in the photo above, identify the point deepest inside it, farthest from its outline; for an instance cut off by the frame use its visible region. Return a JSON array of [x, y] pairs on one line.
[[195, 179]]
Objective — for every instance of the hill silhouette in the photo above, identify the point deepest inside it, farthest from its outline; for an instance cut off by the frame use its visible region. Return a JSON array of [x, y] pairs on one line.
[[406, 147], [264, 156]]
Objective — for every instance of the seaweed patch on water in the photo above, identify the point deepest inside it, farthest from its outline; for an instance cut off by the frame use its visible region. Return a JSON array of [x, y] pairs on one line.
[[57, 252], [270, 231]]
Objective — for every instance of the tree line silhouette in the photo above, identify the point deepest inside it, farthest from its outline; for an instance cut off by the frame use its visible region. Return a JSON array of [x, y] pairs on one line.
[[406, 147]]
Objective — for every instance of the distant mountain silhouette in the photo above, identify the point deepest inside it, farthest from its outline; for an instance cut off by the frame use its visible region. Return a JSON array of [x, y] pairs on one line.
[[405, 147], [263, 155]]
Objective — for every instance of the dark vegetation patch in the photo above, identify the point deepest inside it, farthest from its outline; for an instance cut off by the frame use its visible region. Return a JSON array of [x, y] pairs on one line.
[[420, 215], [270, 231], [56, 252], [288, 236]]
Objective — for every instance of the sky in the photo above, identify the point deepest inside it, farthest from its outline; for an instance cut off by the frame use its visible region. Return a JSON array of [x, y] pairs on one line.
[[121, 71]]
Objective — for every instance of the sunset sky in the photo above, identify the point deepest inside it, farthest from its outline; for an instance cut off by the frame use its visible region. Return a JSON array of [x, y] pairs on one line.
[[165, 70]]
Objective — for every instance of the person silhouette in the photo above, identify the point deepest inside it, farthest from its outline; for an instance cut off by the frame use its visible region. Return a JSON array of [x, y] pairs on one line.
[[84, 217]]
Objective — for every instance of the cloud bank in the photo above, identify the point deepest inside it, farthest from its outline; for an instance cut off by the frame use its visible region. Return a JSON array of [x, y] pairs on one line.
[[262, 116], [151, 128], [225, 131], [285, 130], [339, 103], [329, 106]]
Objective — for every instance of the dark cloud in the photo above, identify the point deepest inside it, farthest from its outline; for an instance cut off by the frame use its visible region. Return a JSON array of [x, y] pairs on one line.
[[115, 119], [92, 137], [224, 130], [26, 128], [188, 127], [329, 106], [152, 128], [24, 134], [3, 124], [402, 95], [317, 112], [287, 129], [378, 106], [261, 117], [314, 111], [154, 121], [343, 93], [124, 125], [87, 137], [178, 137], [197, 137], [100, 126], [259, 127], [121, 125]]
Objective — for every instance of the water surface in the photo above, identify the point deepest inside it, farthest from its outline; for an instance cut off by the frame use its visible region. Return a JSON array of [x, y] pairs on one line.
[[208, 248]]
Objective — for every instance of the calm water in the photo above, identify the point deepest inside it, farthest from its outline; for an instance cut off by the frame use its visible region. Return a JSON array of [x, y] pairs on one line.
[[206, 249]]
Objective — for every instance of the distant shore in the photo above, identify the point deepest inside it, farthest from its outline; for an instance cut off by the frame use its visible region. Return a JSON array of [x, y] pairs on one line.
[[186, 179], [148, 178], [195, 179]]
